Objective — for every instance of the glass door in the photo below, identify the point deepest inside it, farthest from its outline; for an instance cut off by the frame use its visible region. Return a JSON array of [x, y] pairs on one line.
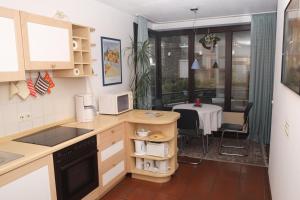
[[210, 78], [240, 70], [174, 69]]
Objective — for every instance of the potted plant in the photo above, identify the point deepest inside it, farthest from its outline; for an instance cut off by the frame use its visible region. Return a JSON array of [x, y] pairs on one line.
[[140, 73], [209, 41]]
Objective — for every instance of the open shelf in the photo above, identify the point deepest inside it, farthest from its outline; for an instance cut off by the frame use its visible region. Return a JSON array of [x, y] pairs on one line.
[[81, 38], [169, 131], [152, 174], [81, 55], [152, 157], [165, 139]]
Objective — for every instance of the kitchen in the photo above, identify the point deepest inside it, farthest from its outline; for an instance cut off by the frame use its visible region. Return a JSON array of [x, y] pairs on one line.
[[116, 100], [101, 150]]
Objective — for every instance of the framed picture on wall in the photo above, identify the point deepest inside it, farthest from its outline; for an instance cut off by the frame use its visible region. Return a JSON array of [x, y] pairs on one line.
[[111, 61], [290, 75]]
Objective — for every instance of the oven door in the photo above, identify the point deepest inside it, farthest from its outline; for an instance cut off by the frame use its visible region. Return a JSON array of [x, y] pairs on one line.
[[77, 178]]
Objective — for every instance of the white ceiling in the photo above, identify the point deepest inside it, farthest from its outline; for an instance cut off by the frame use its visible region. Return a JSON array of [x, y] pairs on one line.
[[162, 11]]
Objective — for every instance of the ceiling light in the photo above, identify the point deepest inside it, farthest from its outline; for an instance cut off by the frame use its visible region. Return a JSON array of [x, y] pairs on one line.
[[195, 64]]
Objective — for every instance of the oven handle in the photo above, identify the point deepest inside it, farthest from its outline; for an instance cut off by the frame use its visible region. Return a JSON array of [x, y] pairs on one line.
[[78, 160]]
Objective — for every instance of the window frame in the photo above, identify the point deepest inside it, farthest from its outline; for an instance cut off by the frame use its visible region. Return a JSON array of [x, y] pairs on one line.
[[228, 30]]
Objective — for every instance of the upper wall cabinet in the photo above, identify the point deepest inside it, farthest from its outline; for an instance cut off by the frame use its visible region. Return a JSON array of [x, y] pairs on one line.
[[11, 50], [47, 43]]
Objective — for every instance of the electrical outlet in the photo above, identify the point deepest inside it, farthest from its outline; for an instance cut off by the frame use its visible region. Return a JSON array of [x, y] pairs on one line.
[[21, 117], [24, 116], [27, 116], [286, 128]]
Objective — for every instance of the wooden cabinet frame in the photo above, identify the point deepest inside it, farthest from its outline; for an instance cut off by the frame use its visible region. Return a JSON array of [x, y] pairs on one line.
[[20, 74], [44, 65]]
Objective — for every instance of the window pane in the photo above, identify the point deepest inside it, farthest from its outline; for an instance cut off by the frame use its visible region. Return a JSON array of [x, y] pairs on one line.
[[240, 70], [152, 59], [174, 67], [210, 78]]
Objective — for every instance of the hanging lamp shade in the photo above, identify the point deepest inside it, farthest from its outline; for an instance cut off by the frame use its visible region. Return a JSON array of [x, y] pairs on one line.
[[195, 65]]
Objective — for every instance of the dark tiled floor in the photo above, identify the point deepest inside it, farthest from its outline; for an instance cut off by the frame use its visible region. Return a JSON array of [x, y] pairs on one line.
[[210, 180]]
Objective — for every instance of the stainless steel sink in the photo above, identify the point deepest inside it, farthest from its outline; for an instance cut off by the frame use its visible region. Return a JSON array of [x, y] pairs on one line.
[[6, 157]]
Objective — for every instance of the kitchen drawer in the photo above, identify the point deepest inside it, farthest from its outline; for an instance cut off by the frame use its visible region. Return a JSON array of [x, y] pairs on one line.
[[110, 135], [112, 161], [113, 173], [114, 148], [106, 142]]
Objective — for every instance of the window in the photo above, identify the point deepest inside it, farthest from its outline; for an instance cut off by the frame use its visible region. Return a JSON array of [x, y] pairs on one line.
[[210, 79], [240, 70], [153, 65], [224, 75], [174, 69]]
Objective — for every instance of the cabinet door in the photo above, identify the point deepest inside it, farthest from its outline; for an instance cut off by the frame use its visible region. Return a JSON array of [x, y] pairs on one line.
[[34, 181], [47, 42], [11, 50]]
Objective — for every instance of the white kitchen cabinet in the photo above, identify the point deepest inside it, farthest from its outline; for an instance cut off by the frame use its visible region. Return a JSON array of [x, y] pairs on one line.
[[34, 181], [11, 50], [47, 42], [112, 156]]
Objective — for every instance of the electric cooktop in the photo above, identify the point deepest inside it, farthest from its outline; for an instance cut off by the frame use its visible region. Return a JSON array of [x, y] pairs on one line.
[[53, 136]]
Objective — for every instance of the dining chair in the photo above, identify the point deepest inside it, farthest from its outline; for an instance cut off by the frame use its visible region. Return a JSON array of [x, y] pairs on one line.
[[238, 129], [205, 100], [188, 127]]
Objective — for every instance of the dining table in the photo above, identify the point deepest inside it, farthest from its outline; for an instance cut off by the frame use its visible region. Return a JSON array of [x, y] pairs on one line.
[[210, 116]]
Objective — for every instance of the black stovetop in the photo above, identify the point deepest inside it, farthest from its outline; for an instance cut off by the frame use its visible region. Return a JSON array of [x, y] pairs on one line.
[[53, 136]]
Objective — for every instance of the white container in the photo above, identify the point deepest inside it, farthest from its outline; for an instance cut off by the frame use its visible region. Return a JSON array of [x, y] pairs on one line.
[[139, 163], [162, 166], [157, 149], [84, 108], [149, 165], [143, 132], [140, 147]]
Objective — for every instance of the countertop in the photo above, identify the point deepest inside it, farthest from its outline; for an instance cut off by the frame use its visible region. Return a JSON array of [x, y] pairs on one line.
[[101, 123]]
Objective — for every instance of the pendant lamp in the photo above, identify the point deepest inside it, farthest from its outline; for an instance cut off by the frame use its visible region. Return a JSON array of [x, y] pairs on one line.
[[195, 64]]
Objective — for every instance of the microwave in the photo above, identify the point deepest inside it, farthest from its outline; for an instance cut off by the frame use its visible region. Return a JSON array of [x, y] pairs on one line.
[[116, 103]]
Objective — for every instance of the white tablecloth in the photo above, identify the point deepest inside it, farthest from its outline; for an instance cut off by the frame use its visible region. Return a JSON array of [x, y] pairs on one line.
[[210, 116]]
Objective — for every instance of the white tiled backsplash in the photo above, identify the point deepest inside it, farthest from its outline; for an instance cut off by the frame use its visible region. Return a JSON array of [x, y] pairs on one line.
[[58, 105]]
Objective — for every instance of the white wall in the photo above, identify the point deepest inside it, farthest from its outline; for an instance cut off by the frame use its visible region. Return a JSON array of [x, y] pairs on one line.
[[59, 105], [284, 166]]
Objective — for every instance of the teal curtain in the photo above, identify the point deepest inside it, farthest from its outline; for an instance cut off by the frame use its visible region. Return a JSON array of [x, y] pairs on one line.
[[263, 38], [143, 102], [142, 29]]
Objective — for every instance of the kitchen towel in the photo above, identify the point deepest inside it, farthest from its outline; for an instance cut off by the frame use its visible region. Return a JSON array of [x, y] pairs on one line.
[[41, 86], [50, 81], [13, 90], [23, 90], [31, 88]]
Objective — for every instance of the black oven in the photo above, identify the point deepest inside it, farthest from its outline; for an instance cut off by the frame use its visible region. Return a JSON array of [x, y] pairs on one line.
[[76, 170]]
